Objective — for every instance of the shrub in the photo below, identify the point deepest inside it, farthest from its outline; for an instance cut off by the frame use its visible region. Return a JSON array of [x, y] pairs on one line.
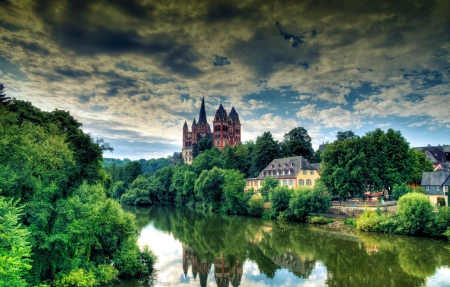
[[319, 220], [440, 222], [441, 201], [349, 221], [256, 206], [279, 198], [307, 200], [414, 212], [376, 222]]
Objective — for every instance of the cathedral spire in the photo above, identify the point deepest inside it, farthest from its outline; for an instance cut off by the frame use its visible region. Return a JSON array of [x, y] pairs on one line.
[[202, 115]]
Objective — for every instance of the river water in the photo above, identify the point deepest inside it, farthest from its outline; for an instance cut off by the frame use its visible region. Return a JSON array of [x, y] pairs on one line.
[[195, 249]]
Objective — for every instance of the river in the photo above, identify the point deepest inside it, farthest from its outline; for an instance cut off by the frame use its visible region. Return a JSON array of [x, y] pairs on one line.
[[195, 249]]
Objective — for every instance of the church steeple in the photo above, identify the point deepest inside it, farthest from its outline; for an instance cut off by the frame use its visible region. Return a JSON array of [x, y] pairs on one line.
[[202, 115]]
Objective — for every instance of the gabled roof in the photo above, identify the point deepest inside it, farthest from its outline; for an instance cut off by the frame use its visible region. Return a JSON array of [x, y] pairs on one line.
[[437, 152], [202, 116], [221, 112], [295, 163], [233, 114], [436, 178]]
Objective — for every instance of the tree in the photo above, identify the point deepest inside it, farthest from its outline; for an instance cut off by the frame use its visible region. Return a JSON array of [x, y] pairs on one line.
[[317, 157], [267, 185], [204, 144], [4, 100], [297, 142], [229, 157], [342, 136], [279, 198], [236, 199], [15, 250], [208, 188], [266, 149], [420, 165], [132, 171], [207, 160], [307, 200]]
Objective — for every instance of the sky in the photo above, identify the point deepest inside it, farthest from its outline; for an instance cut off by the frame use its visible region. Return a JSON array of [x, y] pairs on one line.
[[134, 71]]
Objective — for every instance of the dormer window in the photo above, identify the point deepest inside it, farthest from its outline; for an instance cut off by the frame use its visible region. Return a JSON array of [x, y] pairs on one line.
[[292, 164], [273, 166]]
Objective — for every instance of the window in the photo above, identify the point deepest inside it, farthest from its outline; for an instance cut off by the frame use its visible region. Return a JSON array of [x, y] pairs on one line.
[[285, 164], [248, 183], [301, 182], [427, 189], [291, 182], [273, 166], [281, 182], [308, 182], [311, 172], [285, 182], [304, 172], [292, 164], [269, 172], [264, 173]]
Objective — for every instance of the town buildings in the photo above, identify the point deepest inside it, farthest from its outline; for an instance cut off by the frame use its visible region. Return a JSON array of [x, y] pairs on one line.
[[436, 184], [226, 131], [292, 172]]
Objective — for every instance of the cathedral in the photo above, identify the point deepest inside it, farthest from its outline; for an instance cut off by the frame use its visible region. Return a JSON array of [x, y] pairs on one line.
[[226, 131]]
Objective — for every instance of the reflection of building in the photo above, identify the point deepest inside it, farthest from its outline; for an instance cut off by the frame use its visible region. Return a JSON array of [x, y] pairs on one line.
[[300, 265], [200, 267], [226, 274]]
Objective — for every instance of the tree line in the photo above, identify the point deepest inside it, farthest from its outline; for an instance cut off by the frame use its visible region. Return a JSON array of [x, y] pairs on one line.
[[58, 224]]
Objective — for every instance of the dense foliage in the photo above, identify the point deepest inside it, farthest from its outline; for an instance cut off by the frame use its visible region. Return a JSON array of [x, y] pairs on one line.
[[69, 231], [377, 161], [414, 216]]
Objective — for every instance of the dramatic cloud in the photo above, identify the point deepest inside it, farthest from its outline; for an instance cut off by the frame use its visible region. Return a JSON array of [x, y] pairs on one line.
[[134, 71]]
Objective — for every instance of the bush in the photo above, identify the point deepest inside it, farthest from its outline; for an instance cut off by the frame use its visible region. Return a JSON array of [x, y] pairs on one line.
[[376, 222], [256, 206], [441, 201], [414, 212], [440, 222], [349, 221], [279, 198], [319, 220], [306, 200]]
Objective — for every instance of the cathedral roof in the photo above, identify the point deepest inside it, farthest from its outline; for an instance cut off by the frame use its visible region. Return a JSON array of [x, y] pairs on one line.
[[185, 125], [202, 115], [221, 111], [194, 122], [233, 114]]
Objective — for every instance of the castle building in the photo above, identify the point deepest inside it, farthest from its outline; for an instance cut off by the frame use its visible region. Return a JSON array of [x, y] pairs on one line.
[[226, 131]]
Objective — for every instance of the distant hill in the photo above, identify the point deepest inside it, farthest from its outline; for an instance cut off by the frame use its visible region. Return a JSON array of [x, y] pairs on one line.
[[148, 166]]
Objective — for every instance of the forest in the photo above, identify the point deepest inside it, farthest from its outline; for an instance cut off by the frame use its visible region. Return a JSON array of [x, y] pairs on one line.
[[59, 225]]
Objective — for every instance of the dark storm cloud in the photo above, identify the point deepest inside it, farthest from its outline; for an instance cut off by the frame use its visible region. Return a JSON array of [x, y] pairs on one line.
[[27, 46], [296, 40], [79, 33], [72, 73], [220, 61], [225, 11]]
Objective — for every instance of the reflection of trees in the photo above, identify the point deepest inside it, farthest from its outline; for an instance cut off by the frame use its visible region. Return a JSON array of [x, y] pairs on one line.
[[362, 260]]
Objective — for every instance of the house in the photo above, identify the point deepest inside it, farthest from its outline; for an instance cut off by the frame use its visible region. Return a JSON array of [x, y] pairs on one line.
[[292, 171], [436, 185], [435, 154]]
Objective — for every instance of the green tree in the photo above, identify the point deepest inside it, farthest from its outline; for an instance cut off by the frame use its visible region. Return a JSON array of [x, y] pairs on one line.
[[209, 188], [420, 164], [236, 200], [204, 144], [267, 185], [4, 100], [266, 149], [229, 157], [317, 157], [207, 160], [342, 136], [297, 142], [279, 198], [15, 249], [131, 171]]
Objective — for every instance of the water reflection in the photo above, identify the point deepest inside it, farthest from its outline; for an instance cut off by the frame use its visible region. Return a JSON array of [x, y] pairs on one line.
[[221, 251]]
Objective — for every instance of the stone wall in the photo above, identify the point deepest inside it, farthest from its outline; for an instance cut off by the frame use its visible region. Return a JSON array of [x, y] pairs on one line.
[[358, 210]]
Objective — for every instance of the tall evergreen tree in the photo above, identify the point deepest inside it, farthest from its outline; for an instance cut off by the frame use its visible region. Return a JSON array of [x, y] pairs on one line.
[[4, 100]]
